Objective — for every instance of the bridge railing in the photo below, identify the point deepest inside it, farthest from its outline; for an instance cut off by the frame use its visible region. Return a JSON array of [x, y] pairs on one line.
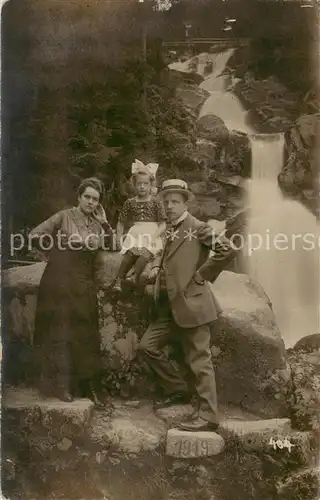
[[231, 42]]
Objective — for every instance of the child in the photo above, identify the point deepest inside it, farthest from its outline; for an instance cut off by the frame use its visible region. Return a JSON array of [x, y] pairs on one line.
[[145, 216]]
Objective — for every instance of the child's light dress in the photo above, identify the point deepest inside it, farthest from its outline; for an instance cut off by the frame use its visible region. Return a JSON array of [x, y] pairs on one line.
[[143, 218]]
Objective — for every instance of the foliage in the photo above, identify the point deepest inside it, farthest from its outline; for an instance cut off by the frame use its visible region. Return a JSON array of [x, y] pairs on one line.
[[306, 390], [239, 154], [287, 55], [102, 127], [276, 56], [76, 107], [301, 390], [124, 375]]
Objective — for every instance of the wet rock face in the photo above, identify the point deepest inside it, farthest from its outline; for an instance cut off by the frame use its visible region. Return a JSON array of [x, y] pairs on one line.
[[271, 106], [299, 173]]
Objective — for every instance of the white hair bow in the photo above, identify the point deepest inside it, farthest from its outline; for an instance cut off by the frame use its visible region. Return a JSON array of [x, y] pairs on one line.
[[138, 166]]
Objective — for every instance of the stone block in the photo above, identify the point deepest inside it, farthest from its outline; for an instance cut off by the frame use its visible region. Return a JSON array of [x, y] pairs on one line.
[[23, 279], [243, 427], [256, 434], [130, 429], [185, 444], [25, 410]]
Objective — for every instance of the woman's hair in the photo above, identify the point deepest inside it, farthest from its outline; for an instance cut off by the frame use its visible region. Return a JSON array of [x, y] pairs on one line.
[[94, 183], [152, 177]]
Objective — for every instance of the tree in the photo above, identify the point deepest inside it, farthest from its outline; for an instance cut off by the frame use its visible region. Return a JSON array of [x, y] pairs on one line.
[[110, 127]]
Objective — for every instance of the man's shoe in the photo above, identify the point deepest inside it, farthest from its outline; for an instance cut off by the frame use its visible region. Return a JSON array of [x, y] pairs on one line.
[[64, 395], [198, 424], [176, 399]]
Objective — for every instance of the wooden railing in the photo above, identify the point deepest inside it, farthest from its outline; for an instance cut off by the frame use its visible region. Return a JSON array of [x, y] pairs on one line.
[[217, 42]]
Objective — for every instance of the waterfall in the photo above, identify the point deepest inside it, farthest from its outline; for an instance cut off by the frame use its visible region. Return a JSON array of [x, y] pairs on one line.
[[227, 106], [218, 60], [275, 150], [216, 81], [286, 263]]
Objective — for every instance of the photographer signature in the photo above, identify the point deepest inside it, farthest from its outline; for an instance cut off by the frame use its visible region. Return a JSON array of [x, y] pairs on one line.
[[281, 443]]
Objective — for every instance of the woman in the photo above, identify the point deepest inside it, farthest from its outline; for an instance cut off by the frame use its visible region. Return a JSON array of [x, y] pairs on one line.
[[67, 341]]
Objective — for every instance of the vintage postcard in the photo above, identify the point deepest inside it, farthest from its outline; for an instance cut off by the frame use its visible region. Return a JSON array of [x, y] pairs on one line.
[[160, 250]]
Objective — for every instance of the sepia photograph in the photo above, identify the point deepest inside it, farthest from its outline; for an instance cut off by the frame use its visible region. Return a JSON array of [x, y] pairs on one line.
[[160, 250]]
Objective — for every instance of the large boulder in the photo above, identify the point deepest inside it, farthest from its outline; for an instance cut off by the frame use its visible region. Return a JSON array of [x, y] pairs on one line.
[[192, 96], [247, 343], [220, 169], [250, 347], [206, 204], [310, 343], [230, 150], [307, 127], [212, 128]]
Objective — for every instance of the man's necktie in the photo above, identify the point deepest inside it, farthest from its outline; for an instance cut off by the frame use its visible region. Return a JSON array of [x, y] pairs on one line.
[[169, 239], [170, 231]]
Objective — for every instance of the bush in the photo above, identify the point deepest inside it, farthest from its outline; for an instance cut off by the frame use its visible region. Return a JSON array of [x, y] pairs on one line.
[[301, 390]]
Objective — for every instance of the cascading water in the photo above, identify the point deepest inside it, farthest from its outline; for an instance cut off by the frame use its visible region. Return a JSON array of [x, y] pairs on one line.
[[283, 235], [286, 264]]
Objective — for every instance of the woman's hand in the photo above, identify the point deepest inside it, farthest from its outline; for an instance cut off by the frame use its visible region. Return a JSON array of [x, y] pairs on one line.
[[100, 215]]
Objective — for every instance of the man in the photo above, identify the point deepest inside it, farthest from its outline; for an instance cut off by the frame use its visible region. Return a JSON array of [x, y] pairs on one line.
[[186, 305]]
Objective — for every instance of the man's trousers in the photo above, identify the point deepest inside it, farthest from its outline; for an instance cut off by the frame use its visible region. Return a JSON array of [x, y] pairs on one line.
[[195, 343]]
